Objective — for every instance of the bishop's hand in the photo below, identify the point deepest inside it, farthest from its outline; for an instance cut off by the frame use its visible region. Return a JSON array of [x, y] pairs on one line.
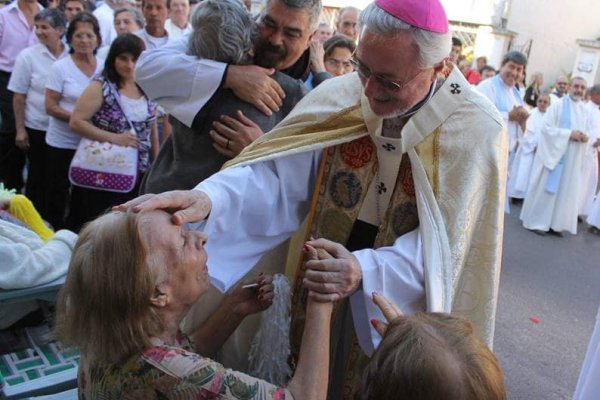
[[333, 274]]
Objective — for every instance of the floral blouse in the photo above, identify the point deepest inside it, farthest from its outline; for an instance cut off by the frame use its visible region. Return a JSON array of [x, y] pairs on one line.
[[110, 117], [168, 372]]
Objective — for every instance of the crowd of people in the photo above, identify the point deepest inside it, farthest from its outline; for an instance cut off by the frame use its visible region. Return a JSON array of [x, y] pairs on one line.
[[554, 142], [346, 158]]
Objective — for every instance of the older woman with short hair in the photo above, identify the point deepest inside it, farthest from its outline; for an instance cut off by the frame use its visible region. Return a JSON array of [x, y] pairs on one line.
[[131, 281], [28, 84]]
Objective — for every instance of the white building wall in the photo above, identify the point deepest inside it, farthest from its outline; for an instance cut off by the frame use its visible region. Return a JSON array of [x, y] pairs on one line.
[[554, 26]]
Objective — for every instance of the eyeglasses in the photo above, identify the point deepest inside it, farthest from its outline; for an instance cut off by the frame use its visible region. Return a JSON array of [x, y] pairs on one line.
[[365, 72]]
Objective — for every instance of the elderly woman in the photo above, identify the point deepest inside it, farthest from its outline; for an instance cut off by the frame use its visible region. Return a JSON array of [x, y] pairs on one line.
[[28, 83], [338, 53], [66, 81], [127, 20], [132, 279], [113, 109], [223, 31]]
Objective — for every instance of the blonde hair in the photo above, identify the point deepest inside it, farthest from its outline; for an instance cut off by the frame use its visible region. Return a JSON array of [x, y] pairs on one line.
[[104, 306], [430, 356]]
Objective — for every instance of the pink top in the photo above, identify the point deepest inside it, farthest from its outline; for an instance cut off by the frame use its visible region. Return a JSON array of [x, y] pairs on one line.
[[15, 35], [428, 15]]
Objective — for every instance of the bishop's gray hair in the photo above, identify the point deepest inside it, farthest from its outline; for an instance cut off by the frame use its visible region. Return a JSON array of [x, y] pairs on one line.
[[433, 47], [223, 30]]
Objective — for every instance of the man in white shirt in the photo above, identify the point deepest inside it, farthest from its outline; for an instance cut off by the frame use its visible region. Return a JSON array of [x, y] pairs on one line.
[[552, 201], [154, 33], [178, 24]]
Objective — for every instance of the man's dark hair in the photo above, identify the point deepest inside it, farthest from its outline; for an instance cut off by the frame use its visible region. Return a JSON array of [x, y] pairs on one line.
[[488, 68], [338, 41], [456, 42], [515, 56]]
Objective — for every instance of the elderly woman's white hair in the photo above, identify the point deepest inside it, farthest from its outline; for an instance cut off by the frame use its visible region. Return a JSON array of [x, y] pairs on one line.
[[223, 30], [433, 47]]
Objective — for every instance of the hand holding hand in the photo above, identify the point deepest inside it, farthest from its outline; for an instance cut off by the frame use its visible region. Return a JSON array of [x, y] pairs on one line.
[[22, 139], [186, 205], [578, 136], [333, 274], [232, 135], [390, 311], [254, 85]]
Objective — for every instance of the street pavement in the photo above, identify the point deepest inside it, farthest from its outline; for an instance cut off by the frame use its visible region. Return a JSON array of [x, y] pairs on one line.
[[549, 297]]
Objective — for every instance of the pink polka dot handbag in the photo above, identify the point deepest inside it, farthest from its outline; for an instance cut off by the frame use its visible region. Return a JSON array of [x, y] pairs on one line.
[[104, 166]]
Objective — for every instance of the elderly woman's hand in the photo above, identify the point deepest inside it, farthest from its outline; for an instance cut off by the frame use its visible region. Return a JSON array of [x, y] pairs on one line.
[[250, 300], [390, 311]]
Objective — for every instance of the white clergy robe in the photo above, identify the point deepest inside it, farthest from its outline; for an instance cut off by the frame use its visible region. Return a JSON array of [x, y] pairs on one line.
[[543, 210], [518, 178], [589, 173]]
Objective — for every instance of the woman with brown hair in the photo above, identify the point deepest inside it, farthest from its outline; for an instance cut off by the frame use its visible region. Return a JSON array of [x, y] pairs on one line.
[[131, 281], [113, 109], [429, 356]]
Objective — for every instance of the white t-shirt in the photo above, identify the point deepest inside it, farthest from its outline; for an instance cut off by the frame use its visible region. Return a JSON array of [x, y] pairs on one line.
[[150, 41], [176, 32], [29, 78], [135, 109], [66, 78]]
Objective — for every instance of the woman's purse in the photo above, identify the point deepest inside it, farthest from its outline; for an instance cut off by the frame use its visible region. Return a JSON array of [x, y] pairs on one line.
[[103, 165]]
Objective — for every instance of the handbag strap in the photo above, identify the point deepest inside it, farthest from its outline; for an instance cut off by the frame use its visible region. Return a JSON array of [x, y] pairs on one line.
[[115, 92]]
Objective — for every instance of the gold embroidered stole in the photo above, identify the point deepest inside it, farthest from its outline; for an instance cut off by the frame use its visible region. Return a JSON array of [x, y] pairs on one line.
[[346, 173]]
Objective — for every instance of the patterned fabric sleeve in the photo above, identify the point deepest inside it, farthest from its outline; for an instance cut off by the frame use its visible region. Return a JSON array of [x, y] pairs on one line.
[[202, 378]]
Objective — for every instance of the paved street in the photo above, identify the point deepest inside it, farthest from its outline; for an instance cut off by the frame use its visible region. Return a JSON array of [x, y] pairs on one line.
[[555, 281]]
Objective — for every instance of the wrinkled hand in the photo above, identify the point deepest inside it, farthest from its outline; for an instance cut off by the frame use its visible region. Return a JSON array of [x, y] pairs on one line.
[[186, 205], [336, 273], [596, 143], [255, 299], [578, 136], [254, 85], [125, 139], [231, 135], [317, 56], [22, 139], [390, 311]]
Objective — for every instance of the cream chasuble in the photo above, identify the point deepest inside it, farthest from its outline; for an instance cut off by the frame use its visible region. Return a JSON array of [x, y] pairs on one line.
[[457, 149]]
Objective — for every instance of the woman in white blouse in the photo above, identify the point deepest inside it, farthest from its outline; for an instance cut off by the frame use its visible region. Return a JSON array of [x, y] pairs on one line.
[[67, 79], [113, 109], [28, 83]]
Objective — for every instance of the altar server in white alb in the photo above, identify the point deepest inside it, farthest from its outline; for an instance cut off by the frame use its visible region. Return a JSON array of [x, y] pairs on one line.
[[552, 202], [520, 170], [589, 175]]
